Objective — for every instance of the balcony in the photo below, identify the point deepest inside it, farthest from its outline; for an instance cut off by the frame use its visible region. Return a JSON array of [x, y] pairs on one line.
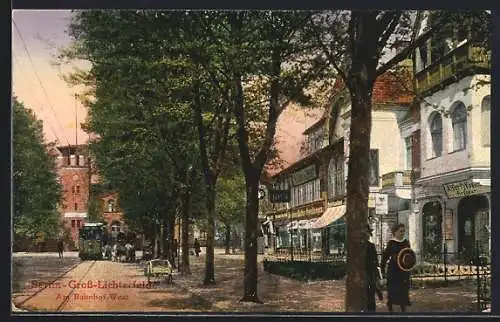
[[396, 179], [465, 60]]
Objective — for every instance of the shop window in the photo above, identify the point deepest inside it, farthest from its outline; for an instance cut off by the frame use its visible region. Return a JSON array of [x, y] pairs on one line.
[[337, 236], [436, 129], [485, 121], [432, 230], [459, 123]]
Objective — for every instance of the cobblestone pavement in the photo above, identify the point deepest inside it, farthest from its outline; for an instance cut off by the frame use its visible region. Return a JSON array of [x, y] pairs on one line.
[[279, 294]]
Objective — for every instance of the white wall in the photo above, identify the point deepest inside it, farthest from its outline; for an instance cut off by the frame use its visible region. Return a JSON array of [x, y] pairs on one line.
[[441, 101]]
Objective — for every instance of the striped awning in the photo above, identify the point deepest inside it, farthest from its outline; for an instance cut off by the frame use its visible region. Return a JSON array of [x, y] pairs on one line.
[[330, 215]]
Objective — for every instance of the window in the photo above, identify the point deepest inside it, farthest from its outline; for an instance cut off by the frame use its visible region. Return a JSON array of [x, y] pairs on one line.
[[331, 178], [437, 135], [111, 205], [485, 121], [339, 177], [459, 123], [76, 206], [432, 230], [73, 189], [77, 189], [78, 223], [73, 223], [409, 153]]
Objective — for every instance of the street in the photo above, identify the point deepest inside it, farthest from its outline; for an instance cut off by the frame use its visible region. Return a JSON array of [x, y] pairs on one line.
[[44, 283]]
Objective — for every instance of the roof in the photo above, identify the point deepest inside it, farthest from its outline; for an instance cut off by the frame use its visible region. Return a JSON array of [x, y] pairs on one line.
[[292, 123], [394, 87]]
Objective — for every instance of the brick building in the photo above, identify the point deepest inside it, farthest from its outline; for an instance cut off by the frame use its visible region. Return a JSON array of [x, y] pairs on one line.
[[76, 173]]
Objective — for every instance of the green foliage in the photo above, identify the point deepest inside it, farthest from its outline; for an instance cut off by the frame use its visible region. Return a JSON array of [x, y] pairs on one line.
[[35, 187], [231, 199]]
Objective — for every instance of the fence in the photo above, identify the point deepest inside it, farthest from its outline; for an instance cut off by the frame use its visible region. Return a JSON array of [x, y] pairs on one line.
[[472, 273]]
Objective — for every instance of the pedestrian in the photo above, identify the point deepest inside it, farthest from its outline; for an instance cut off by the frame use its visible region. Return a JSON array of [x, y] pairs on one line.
[[197, 247], [398, 280], [60, 247], [372, 273]]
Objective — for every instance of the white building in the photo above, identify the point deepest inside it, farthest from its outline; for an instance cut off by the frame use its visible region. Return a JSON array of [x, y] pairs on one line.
[[452, 205]]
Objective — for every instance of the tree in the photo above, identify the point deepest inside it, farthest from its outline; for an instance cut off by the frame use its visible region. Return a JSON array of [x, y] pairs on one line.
[[354, 44], [137, 110], [230, 197], [36, 191]]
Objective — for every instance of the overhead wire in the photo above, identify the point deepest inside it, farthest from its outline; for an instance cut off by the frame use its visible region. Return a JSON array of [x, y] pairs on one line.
[[16, 61], [39, 80]]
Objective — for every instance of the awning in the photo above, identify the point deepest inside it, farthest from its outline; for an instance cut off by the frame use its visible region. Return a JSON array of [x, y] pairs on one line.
[[329, 216]]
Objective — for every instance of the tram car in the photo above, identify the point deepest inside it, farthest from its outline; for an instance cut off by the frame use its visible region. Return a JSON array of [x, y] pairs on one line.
[[92, 237]]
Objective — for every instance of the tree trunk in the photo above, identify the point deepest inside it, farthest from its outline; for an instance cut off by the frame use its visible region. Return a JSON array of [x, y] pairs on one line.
[[186, 270], [357, 192], [233, 241], [209, 259], [164, 236], [170, 240], [252, 210], [228, 239]]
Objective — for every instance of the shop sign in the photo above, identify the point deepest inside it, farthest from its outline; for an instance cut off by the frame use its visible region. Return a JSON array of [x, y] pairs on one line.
[[336, 203], [306, 174], [381, 204], [371, 200], [464, 188]]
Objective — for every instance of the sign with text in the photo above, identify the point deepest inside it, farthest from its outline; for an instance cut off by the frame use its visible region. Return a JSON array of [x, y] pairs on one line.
[[306, 174], [279, 196], [464, 188], [381, 204]]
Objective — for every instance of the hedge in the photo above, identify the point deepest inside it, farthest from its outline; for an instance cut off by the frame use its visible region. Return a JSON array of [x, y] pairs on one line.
[[306, 271]]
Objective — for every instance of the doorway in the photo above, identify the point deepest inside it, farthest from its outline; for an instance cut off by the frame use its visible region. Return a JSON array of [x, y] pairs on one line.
[[473, 225]]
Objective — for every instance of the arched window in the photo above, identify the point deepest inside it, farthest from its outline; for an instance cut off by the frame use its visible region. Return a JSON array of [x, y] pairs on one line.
[[459, 123], [485, 120], [436, 127], [331, 178], [111, 205]]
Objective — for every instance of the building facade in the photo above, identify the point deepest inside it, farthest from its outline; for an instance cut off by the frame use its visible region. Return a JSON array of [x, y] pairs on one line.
[[313, 221], [452, 207]]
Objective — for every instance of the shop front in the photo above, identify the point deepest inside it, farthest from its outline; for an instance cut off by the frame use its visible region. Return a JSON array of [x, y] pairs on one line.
[[455, 217]]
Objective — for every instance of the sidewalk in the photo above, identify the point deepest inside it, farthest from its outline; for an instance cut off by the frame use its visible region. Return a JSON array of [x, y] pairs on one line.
[[281, 294]]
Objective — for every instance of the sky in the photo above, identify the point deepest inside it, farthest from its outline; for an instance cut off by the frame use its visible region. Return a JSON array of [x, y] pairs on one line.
[[48, 95]]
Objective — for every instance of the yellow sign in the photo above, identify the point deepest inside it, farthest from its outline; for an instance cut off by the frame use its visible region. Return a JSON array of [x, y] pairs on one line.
[[464, 188], [371, 200]]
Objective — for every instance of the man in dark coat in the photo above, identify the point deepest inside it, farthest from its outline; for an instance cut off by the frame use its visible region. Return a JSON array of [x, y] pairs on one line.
[[372, 273], [60, 248]]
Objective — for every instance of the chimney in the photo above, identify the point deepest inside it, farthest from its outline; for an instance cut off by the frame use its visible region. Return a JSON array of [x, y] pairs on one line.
[[60, 161], [72, 160], [81, 160]]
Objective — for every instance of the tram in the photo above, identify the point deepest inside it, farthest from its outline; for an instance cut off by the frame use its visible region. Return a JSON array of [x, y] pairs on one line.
[[92, 237]]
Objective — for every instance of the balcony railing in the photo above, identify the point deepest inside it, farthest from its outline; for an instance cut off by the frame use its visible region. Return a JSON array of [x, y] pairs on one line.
[[396, 179], [468, 57]]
